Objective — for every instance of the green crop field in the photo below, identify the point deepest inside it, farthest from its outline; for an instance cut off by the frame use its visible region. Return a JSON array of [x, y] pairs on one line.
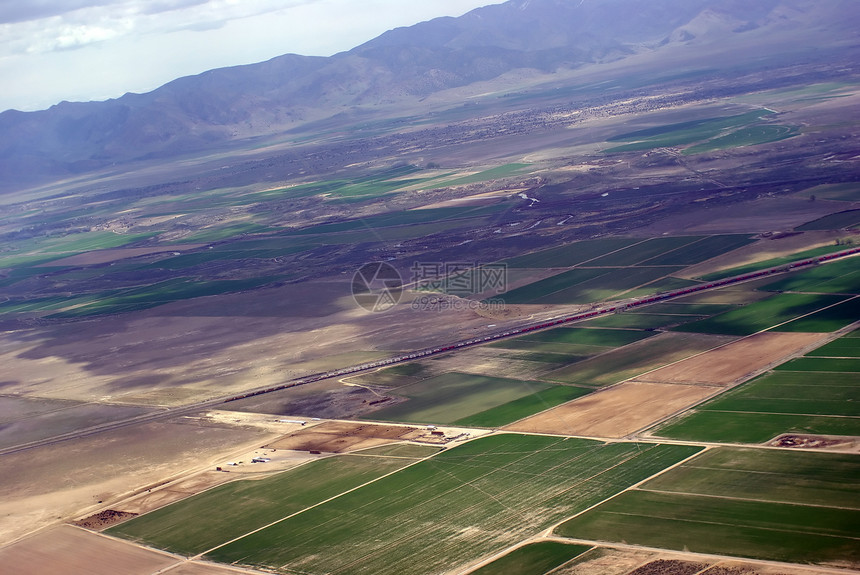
[[699, 251], [453, 396], [750, 136], [645, 250], [690, 132], [804, 395], [463, 504], [837, 221], [850, 365], [773, 262], [679, 308], [841, 276], [661, 285], [762, 314], [523, 407], [779, 505], [847, 192], [635, 359], [571, 254], [201, 522], [586, 336], [641, 320], [843, 347], [586, 285], [827, 320], [533, 559]]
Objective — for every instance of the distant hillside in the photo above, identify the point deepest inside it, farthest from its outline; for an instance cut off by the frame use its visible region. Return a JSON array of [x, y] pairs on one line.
[[402, 65]]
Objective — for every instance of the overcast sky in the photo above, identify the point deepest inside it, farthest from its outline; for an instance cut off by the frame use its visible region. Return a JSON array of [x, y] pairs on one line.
[[79, 50]]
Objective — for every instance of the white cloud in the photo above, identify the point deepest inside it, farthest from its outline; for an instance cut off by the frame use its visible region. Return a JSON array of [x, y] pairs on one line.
[[97, 49]]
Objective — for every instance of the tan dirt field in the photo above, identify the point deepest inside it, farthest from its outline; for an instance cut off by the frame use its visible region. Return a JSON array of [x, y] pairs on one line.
[[205, 568], [67, 550], [342, 436], [104, 256], [75, 478], [734, 361], [615, 412]]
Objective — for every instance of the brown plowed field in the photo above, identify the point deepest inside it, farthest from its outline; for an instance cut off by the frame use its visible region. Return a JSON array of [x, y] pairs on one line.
[[727, 364], [69, 550], [615, 412], [340, 436]]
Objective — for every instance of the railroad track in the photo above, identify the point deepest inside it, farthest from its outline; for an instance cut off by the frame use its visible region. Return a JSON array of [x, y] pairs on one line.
[[427, 352]]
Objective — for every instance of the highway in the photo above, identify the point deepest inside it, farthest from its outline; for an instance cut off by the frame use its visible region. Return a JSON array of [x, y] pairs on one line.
[[609, 308]]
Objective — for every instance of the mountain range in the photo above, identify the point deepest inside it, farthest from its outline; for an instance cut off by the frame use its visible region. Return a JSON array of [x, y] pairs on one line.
[[405, 66]]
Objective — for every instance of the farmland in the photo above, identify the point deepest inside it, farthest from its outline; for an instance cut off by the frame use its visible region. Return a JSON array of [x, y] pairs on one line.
[[772, 505], [533, 559], [454, 507], [810, 395]]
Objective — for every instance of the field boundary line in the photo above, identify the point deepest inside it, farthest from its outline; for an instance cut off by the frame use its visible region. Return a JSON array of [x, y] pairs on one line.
[[309, 507], [548, 532], [704, 556], [751, 499], [720, 523]]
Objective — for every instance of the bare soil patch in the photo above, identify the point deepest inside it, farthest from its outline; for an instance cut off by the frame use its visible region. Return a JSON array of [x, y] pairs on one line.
[[75, 478], [104, 519], [614, 412], [734, 361], [69, 550], [669, 567], [824, 442], [341, 436]]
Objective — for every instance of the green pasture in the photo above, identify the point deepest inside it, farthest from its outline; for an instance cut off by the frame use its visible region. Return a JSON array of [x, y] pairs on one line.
[[523, 407], [585, 336], [828, 479], [210, 518], [676, 307], [826, 320], [452, 509], [762, 314], [691, 132], [641, 320], [837, 221], [818, 364], [700, 250], [749, 136], [645, 250], [772, 262], [569, 255], [840, 276], [533, 559], [782, 531], [847, 192], [843, 347], [778, 402], [454, 396], [635, 359]]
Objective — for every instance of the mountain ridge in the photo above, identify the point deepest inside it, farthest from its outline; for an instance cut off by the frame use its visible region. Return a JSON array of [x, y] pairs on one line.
[[407, 64]]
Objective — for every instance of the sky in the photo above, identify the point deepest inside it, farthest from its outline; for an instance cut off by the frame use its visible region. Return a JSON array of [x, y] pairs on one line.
[[81, 50]]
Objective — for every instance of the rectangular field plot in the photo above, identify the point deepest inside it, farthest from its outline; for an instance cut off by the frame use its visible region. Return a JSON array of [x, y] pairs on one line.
[[829, 364], [776, 403], [571, 254], [454, 396], [523, 407], [201, 522], [533, 559], [450, 510], [842, 276], [839, 220], [644, 251], [642, 320], [843, 347], [784, 506], [762, 314], [604, 286], [827, 320], [699, 251], [633, 360]]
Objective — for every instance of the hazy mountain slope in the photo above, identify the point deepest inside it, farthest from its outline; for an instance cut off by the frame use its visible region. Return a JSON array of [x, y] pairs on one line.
[[221, 105]]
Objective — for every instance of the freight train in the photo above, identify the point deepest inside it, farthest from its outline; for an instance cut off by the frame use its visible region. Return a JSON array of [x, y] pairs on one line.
[[618, 307]]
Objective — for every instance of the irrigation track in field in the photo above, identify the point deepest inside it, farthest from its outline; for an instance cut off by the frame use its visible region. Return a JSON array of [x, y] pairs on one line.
[[609, 308]]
